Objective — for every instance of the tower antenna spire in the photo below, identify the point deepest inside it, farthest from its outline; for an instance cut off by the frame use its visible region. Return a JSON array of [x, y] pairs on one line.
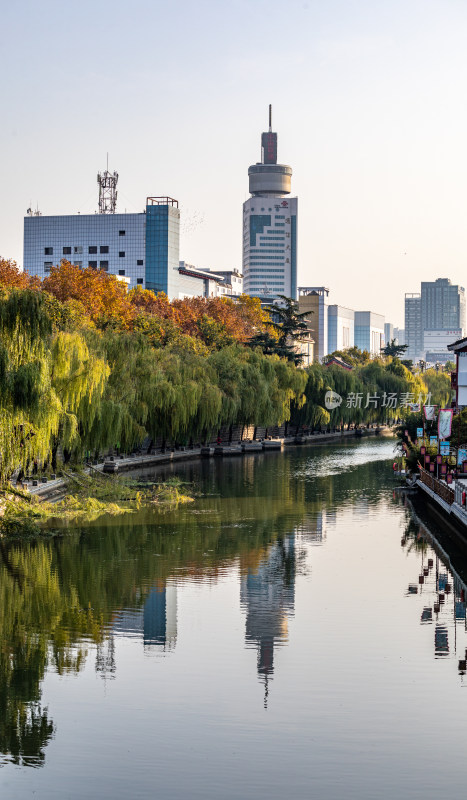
[[270, 117]]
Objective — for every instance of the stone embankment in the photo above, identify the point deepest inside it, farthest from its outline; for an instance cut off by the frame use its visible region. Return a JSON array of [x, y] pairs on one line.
[[55, 488]]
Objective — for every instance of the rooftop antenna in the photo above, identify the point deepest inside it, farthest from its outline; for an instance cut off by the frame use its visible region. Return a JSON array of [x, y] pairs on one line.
[[270, 118], [107, 190]]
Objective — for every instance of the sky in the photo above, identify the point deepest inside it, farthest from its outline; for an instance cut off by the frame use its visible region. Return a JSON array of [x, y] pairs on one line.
[[369, 102]]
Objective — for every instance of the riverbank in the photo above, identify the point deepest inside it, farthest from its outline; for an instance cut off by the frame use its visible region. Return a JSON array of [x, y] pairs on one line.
[[446, 502], [55, 489]]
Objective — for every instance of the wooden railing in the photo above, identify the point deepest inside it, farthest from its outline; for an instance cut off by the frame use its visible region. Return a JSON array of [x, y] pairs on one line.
[[438, 487]]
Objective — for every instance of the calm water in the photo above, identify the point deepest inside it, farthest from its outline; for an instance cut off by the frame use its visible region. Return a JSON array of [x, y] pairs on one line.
[[270, 640]]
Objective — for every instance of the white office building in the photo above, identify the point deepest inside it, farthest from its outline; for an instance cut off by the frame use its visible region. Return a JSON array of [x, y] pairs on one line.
[[341, 323], [270, 227]]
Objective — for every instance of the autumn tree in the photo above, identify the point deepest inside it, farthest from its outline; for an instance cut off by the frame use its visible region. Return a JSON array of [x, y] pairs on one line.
[[103, 296]]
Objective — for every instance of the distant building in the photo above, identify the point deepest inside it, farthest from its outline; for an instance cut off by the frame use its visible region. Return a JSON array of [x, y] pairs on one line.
[[341, 328], [413, 326], [442, 305], [399, 335], [232, 282], [435, 345], [313, 299], [369, 331], [195, 282], [388, 332], [270, 227], [439, 309]]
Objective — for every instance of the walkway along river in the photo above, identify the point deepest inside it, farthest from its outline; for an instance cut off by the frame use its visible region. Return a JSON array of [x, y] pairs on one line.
[[274, 638]]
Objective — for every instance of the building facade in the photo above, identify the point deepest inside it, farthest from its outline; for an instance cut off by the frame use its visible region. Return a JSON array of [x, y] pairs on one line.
[[434, 317], [314, 301], [413, 326], [341, 328], [442, 305], [399, 335], [388, 332], [141, 247], [270, 227], [369, 331]]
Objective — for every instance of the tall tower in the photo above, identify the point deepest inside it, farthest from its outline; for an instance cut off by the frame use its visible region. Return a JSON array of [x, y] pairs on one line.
[[107, 191], [270, 226]]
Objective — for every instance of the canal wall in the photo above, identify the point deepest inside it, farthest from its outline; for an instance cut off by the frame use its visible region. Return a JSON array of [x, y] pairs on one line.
[[56, 488], [447, 506]]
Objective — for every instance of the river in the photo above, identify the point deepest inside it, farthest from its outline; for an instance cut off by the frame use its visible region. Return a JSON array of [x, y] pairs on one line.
[[272, 639]]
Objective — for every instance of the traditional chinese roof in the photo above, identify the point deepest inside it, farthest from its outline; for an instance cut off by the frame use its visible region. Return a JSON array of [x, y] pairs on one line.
[[459, 345], [339, 362]]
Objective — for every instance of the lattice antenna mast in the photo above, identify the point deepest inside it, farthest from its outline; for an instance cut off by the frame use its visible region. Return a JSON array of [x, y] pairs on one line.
[[107, 191]]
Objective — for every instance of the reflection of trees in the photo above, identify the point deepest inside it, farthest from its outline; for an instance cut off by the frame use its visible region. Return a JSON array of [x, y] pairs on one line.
[[58, 596]]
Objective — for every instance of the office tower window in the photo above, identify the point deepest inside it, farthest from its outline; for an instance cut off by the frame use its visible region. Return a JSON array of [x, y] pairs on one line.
[[121, 271], [48, 251], [121, 254], [121, 233], [48, 265], [67, 251], [139, 281], [78, 264], [139, 262], [78, 250], [104, 265], [92, 249], [92, 264], [104, 248]]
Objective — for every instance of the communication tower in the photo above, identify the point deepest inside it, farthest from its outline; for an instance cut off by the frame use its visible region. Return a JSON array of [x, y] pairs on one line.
[[107, 191]]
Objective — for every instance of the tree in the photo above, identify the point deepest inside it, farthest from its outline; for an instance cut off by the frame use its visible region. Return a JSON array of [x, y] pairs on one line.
[[290, 326], [393, 349]]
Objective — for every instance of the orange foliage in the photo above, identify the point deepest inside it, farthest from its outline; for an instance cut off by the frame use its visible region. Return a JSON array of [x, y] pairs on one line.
[[103, 296], [107, 300], [11, 276], [241, 319]]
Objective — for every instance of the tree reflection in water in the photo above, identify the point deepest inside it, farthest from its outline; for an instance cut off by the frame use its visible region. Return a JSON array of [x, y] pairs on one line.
[[64, 596]]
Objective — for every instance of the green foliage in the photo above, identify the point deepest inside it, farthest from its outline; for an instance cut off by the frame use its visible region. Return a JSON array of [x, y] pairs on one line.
[[393, 349], [364, 391], [439, 385]]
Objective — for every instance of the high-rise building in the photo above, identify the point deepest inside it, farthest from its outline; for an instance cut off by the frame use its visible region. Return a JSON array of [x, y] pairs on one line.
[[442, 305], [270, 227], [433, 319], [413, 326], [369, 331], [388, 332]]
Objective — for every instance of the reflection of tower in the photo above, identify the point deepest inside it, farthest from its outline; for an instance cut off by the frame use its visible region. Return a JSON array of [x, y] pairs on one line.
[[268, 594], [160, 617]]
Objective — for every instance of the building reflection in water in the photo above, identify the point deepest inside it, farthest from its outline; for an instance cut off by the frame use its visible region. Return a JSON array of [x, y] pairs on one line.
[[155, 622], [441, 590], [267, 593]]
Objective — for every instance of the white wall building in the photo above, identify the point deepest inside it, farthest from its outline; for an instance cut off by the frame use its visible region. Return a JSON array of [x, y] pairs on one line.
[[369, 332], [341, 323]]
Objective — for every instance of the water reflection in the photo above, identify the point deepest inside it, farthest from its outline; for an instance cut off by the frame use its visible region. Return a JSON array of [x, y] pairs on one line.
[[155, 622], [65, 599], [267, 594], [440, 587]]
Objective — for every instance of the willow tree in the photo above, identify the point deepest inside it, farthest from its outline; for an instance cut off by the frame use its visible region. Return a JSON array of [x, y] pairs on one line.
[[48, 379]]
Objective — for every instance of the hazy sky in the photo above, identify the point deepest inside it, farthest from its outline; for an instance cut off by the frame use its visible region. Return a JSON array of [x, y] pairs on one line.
[[369, 101]]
